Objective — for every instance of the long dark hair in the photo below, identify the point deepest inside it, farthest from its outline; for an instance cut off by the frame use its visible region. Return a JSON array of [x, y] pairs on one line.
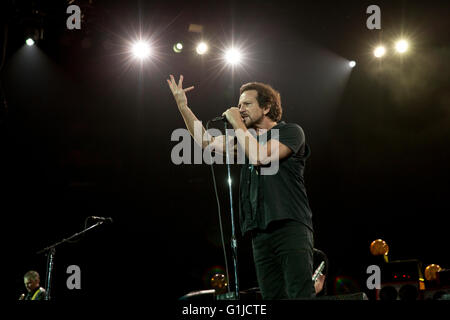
[[267, 97]]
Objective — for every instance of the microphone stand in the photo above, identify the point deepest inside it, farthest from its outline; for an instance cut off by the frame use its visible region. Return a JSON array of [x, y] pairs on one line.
[[233, 232], [51, 256]]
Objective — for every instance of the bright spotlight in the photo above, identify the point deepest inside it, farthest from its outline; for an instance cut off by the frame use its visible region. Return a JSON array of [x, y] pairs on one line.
[[178, 47], [352, 64], [401, 46], [141, 50], [202, 48], [379, 51], [29, 42], [233, 56]]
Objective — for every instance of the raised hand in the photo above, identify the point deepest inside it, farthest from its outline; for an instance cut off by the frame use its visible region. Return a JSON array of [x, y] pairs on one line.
[[178, 92]]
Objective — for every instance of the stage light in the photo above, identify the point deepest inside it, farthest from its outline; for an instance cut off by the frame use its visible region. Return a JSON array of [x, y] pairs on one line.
[[431, 270], [401, 46], [141, 50], [29, 42], [202, 48], [352, 64], [233, 56], [33, 33], [379, 51], [178, 47], [219, 282], [379, 247]]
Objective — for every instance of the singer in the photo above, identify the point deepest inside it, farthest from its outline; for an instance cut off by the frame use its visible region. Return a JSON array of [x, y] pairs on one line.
[[273, 209]]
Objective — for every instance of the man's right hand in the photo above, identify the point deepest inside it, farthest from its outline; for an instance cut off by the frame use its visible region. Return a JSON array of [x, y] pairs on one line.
[[320, 281], [178, 92]]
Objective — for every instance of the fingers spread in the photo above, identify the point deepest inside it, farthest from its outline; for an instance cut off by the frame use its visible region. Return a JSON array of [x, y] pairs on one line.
[[174, 86]]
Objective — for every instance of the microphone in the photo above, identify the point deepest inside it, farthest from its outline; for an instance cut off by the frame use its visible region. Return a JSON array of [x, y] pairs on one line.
[[105, 219], [318, 271], [221, 118]]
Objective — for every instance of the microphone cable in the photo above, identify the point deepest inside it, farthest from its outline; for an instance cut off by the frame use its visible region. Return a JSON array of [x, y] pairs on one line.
[[220, 219]]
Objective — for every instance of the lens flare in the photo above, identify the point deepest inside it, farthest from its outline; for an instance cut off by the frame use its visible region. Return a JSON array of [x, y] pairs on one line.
[[379, 51], [345, 285], [233, 56], [178, 47], [141, 50], [401, 46], [202, 48], [29, 42]]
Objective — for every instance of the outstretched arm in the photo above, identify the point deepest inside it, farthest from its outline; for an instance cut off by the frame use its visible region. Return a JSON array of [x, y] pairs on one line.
[[188, 116], [218, 143]]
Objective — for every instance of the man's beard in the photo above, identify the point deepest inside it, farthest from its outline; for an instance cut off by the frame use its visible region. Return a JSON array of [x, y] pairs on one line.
[[250, 123]]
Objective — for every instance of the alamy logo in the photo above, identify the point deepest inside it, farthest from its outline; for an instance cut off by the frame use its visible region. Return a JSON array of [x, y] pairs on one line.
[[74, 280], [374, 21], [181, 153], [374, 280], [74, 21]]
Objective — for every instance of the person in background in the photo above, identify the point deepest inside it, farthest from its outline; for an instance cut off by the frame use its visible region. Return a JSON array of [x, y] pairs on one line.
[[31, 280]]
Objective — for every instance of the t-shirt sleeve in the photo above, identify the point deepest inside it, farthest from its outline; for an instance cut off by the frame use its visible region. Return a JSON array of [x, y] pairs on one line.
[[292, 136]]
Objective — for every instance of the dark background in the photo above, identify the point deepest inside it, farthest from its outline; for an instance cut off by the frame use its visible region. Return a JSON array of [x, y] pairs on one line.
[[87, 131]]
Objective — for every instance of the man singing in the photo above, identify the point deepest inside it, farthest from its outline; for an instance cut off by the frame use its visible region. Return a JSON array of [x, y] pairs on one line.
[[273, 208]]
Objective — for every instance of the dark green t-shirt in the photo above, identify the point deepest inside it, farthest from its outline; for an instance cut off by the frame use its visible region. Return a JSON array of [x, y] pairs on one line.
[[267, 198]]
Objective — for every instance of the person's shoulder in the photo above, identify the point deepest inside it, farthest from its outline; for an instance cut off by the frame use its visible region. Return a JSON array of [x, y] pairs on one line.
[[41, 294], [291, 126]]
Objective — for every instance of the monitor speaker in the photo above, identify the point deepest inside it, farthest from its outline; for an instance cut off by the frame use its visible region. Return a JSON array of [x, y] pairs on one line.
[[408, 291], [350, 296], [437, 294], [254, 294], [200, 295]]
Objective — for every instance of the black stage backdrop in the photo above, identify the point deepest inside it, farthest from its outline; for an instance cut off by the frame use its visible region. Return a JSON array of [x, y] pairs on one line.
[[87, 132]]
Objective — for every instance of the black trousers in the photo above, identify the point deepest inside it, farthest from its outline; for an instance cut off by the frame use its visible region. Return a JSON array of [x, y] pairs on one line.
[[283, 257]]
